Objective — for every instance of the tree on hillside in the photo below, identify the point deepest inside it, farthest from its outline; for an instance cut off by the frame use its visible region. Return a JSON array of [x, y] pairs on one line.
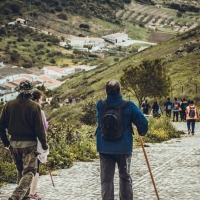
[[88, 114], [149, 79], [15, 8], [179, 14], [175, 6], [84, 26]]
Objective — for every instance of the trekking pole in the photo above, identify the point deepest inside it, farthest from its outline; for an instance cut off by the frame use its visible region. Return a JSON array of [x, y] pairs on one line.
[[50, 173], [145, 155]]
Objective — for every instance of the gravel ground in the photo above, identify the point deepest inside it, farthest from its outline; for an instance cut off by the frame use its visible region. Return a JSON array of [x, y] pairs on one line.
[[175, 165]]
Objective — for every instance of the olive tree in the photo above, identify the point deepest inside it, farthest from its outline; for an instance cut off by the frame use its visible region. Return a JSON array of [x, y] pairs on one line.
[[149, 79]]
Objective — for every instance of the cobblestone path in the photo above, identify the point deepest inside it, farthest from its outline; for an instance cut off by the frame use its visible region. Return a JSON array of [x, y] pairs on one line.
[[175, 166]]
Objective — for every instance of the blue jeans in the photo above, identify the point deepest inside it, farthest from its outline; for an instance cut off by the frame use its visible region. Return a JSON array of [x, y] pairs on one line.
[[107, 165], [191, 122]]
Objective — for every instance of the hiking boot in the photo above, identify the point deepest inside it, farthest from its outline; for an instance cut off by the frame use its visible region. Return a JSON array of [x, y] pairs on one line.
[[188, 132], [192, 134], [34, 196]]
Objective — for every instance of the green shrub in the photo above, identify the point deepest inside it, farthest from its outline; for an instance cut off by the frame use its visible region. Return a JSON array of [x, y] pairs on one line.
[[54, 103], [161, 129], [52, 61], [7, 167], [62, 16], [68, 144], [88, 116]]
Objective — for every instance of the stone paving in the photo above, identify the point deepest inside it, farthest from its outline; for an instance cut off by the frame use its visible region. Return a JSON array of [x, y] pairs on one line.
[[175, 166]]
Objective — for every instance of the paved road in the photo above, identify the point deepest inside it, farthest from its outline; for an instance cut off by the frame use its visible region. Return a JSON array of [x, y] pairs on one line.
[[175, 166]]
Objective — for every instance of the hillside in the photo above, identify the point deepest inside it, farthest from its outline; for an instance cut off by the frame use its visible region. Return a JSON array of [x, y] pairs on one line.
[[182, 56], [104, 16], [102, 9], [165, 17], [64, 18]]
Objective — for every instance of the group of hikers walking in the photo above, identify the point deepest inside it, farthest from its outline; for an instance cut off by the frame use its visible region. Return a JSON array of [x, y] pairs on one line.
[[23, 132], [187, 111], [177, 108]]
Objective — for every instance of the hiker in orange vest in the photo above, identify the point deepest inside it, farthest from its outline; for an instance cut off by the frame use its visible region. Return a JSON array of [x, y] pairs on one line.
[[192, 114]]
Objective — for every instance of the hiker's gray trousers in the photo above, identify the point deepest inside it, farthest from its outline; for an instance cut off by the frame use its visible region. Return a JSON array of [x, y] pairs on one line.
[[107, 165]]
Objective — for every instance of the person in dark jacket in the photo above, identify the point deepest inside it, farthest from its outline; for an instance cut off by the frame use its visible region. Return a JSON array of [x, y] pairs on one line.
[[119, 151], [145, 107], [168, 107], [156, 109], [22, 119], [184, 105]]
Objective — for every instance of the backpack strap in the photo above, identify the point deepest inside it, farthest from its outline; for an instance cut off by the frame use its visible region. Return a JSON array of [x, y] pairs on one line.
[[105, 105], [123, 104]]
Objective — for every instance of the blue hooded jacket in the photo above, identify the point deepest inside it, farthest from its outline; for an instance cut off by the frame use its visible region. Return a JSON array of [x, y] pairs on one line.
[[131, 114]]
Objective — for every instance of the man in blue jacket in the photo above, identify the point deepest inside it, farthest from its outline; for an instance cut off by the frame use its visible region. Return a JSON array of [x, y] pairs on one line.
[[118, 151]]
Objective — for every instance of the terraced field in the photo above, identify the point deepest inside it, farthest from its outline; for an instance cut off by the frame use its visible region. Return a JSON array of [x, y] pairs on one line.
[[163, 19]]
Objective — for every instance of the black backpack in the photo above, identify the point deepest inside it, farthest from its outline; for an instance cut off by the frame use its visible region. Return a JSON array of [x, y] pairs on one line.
[[192, 112], [111, 121]]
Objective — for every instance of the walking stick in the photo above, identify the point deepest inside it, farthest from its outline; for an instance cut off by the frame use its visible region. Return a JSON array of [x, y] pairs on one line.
[[50, 173], [145, 155]]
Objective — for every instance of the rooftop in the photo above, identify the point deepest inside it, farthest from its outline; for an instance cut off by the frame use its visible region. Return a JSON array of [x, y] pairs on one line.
[[11, 85], [9, 71], [18, 81], [44, 77], [52, 83]]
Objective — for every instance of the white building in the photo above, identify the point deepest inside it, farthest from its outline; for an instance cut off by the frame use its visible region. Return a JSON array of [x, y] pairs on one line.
[[11, 23], [8, 96], [57, 71], [62, 44], [80, 42], [7, 92], [116, 38], [21, 21], [158, 6], [44, 78], [52, 84]]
